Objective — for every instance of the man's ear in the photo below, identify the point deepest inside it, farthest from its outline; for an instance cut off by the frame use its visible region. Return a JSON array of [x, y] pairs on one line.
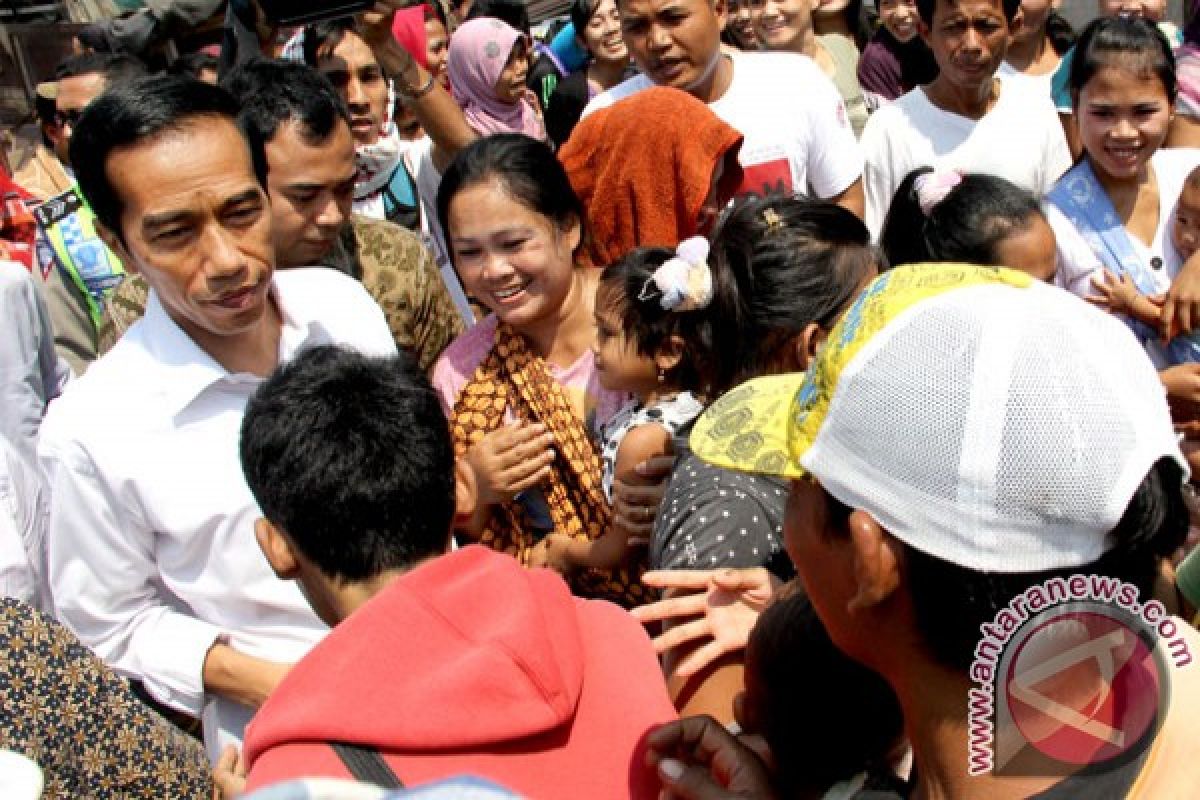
[[277, 549], [114, 243], [876, 562], [669, 353]]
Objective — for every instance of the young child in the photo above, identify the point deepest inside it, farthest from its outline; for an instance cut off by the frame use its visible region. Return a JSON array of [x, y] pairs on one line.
[[1120, 295], [976, 219], [651, 334]]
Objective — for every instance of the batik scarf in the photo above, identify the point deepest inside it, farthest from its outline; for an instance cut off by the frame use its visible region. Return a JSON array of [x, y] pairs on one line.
[[511, 376]]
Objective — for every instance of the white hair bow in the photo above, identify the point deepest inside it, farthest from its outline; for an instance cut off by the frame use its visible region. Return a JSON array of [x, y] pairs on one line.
[[684, 281]]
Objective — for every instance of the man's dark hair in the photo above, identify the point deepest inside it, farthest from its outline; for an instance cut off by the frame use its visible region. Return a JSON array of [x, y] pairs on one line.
[[130, 114], [276, 92], [194, 64], [950, 602], [322, 37], [350, 456], [925, 9], [117, 68]]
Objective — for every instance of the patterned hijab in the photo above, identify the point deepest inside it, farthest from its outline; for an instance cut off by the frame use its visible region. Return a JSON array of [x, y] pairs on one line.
[[479, 51]]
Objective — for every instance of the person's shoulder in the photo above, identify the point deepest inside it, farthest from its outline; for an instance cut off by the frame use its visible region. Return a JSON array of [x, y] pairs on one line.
[[110, 396], [624, 89], [1176, 158], [463, 355], [387, 244]]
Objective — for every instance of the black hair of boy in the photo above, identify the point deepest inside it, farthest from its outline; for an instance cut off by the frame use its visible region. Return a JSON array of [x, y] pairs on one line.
[[132, 113], [273, 93], [350, 457], [825, 716]]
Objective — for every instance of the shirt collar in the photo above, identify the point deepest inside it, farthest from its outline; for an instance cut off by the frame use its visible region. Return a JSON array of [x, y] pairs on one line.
[[188, 371]]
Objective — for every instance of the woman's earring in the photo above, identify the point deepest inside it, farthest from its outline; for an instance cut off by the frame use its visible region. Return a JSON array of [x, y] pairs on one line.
[[662, 375]]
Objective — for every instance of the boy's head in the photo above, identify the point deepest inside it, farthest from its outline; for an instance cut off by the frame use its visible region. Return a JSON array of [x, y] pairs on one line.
[[796, 676], [1185, 227], [350, 460]]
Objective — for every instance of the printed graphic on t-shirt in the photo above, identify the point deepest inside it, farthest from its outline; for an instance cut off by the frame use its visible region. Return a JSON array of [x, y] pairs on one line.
[[767, 178]]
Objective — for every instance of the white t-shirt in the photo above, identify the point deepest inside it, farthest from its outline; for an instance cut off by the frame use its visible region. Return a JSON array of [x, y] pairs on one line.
[[797, 136], [1020, 139], [1042, 84]]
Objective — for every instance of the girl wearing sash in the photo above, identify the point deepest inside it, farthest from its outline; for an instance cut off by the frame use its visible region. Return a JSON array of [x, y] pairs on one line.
[[1114, 209]]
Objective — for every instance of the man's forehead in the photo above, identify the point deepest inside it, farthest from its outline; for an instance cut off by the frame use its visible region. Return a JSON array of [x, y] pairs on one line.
[[294, 152], [202, 152], [968, 8], [649, 7]]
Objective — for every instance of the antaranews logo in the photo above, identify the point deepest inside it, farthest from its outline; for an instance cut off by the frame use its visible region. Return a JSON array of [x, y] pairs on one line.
[[1072, 673]]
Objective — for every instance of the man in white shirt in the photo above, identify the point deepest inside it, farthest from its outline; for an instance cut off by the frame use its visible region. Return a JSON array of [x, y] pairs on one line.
[[966, 119], [797, 136], [151, 550]]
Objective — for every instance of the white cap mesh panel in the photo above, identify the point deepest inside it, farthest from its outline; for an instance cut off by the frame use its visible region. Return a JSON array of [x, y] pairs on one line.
[[997, 428]]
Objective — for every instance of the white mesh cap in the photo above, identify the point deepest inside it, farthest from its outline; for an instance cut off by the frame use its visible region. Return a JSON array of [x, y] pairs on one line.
[[984, 418], [997, 428]]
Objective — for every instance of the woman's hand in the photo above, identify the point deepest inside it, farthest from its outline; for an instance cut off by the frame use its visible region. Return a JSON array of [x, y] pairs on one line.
[[1181, 306], [698, 759], [635, 504], [509, 460], [722, 607]]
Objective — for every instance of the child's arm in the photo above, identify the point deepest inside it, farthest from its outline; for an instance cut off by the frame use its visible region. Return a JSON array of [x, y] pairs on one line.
[[565, 553], [1119, 295]]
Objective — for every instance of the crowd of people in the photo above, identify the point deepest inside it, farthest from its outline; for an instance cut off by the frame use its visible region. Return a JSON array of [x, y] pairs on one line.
[[402, 404]]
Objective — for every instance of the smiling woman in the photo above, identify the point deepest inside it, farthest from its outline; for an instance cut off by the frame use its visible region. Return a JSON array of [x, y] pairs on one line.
[[520, 388]]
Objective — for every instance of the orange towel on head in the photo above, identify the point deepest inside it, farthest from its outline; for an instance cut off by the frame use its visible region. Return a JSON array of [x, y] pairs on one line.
[[643, 168]]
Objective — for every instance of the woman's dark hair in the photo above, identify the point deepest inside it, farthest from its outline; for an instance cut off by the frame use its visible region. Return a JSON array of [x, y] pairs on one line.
[[525, 167], [804, 676], [779, 264], [859, 19], [950, 602], [1060, 33], [966, 225], [581, 14], [513, 12], [626, 288], [1130, 43]]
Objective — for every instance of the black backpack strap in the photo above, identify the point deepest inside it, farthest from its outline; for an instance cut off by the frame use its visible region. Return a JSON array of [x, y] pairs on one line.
[[367, 765]]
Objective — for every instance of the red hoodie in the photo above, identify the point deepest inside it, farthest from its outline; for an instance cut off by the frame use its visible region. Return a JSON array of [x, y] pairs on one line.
[[472, 664]]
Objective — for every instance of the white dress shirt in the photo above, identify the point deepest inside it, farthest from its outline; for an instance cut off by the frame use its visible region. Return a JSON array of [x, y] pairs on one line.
[[31, 373], [151, 548], [24, 510]]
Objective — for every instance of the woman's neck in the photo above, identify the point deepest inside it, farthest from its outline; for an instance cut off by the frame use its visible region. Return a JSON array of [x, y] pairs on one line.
[[563, 337], [1033, 56], [832, 23], [1134, 199], [607, 74]]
